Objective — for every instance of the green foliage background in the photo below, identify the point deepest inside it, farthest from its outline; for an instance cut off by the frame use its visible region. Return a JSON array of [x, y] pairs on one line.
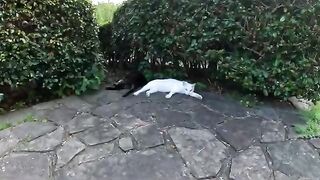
[[263, 46], [104, 12], [312, 126], [52, 42]]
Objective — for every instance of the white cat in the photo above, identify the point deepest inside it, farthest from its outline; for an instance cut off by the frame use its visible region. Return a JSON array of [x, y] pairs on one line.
[[171, 86]]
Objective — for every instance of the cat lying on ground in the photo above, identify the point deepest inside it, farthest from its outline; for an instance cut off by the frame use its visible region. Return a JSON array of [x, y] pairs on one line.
[[132, 80], [171, 86]]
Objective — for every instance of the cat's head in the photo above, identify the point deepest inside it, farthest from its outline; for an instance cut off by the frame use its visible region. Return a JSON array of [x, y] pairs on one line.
[[188, 87]]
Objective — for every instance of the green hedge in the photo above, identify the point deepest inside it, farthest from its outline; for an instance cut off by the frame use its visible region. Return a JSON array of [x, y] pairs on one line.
[[105, 33], [51, 42], [259, 45]]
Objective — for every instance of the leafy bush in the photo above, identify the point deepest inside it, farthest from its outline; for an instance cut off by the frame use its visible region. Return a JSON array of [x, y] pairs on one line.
[[312, 126], [104, 12], [53, 43], [105, 33], [265, 46]]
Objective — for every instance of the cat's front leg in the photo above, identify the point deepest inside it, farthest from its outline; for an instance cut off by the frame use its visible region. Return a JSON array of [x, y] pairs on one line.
[[138, 92], [169, 95], [196, 95], [144, 88]]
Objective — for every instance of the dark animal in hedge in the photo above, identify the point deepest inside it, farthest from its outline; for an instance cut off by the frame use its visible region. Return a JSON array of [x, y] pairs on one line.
[[132, 80]]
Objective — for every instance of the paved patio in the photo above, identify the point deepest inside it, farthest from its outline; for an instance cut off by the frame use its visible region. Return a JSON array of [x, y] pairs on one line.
[[104, 136]]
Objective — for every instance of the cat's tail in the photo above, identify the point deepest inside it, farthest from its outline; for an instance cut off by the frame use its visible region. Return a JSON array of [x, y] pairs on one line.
[[143, 89]]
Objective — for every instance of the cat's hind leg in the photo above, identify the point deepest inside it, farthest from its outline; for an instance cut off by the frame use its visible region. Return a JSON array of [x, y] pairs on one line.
[[148, 93], [144, 88]]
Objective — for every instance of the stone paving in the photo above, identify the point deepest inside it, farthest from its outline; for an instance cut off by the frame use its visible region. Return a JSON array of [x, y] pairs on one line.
[[104, 136]]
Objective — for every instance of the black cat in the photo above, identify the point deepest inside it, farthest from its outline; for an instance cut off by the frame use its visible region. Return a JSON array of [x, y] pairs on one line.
[[132, 80]]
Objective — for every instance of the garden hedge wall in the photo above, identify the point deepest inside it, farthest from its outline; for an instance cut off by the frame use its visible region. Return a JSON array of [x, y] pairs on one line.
[[51, 42], [259, 45]]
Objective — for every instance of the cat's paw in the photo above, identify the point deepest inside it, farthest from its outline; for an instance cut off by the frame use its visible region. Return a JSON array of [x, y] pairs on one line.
[[148, 94], [198, 96], [135, 94], [168, 96]]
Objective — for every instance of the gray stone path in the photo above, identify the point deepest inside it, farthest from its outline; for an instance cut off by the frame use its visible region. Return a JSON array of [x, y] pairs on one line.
[[104, 136]]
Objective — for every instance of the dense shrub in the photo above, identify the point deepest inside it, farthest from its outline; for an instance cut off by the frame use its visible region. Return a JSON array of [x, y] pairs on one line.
[[105, 33], [51, 42], [266, 46]]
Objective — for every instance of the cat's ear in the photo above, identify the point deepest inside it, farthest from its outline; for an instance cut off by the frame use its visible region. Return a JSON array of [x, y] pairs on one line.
[[193, 86]]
